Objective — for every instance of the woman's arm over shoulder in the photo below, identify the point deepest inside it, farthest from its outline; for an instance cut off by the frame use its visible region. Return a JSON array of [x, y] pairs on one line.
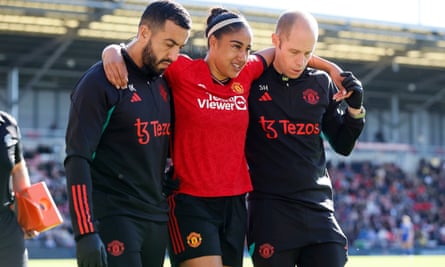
[[114, 66], [333, 70], [268, 54]]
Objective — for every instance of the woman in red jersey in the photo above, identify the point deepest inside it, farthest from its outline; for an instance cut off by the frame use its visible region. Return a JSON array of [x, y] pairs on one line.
[[207, 212]]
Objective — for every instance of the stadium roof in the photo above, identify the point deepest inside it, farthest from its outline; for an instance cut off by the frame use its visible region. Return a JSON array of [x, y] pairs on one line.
[[52, 43]]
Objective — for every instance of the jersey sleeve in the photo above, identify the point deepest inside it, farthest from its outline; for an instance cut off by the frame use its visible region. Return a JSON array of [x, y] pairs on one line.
[[257, 64], [339, 128], [173, 73], [91, 100], [18, 148], [10, 133]]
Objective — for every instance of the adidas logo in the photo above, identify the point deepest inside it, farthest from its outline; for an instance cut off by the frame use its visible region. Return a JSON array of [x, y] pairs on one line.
[[135, 98], [265, 97]]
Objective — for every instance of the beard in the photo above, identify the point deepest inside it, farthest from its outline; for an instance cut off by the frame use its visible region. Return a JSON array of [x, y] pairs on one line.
[[151, 61]]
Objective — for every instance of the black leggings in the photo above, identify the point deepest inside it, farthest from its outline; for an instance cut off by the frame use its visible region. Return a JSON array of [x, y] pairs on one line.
[[321, 255]]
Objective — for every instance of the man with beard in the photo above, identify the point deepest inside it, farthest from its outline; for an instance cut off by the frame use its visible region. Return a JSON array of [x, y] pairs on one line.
[[116, 149]]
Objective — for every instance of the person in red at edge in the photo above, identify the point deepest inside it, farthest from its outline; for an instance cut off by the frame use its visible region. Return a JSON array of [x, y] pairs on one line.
[[208, 211]]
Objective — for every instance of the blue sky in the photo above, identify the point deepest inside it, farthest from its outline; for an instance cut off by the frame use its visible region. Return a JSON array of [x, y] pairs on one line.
[[428, 13]]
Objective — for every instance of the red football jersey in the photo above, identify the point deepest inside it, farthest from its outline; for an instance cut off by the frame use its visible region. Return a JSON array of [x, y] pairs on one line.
[[210, 128]]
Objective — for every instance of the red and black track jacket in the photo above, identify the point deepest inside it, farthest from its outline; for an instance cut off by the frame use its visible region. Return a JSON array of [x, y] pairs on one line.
[[116, 146], [284, 148]]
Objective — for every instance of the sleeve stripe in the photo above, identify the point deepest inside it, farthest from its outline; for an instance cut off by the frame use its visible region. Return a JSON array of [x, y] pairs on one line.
[[76, 208], [88, 216], [81, 208]]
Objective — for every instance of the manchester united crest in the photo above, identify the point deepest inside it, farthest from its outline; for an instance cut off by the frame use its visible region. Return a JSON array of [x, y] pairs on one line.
[[194, 239], [311, 96], [115, 248], [266, 250], [237, 88]]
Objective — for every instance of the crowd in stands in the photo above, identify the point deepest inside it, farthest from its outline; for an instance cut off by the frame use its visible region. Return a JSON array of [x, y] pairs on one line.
[[370, 199], [45, 165]]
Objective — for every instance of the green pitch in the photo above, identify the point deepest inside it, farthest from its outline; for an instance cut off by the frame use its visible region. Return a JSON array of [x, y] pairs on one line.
[[354, 261]]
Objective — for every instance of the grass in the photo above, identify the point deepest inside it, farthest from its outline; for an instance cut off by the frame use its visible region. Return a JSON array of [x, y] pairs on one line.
[[396, 261], [354, 261]]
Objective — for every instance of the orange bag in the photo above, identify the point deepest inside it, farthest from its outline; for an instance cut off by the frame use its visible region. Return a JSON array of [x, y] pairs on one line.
[[36, 209]]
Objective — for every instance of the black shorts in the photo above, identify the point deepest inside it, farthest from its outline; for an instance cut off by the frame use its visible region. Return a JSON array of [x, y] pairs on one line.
[[320, 255], [12, 241], [207, 226], [276, 227], [133, 241]]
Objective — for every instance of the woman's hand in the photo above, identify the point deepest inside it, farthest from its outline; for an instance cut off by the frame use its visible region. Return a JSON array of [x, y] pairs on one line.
[[114, 66]]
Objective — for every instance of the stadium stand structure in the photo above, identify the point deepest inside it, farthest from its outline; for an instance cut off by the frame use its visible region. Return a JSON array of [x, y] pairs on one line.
[[45, 45]]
